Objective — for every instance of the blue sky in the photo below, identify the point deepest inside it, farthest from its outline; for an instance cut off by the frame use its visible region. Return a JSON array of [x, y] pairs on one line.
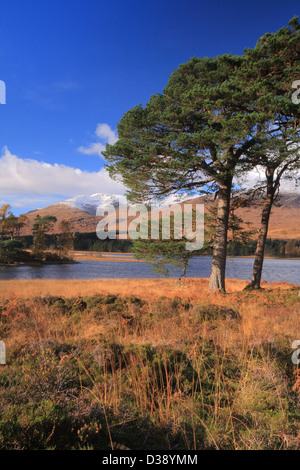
[[73, 67]]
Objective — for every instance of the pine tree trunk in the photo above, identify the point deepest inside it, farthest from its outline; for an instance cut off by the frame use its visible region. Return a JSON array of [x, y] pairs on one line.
[[217, 277], [262, 236]]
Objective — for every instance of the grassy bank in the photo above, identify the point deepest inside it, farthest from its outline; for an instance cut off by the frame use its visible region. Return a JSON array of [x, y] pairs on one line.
[[149, 372], [146, 289]]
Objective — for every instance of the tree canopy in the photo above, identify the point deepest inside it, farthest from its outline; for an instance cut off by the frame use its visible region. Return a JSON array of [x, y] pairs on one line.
[[206, 125]]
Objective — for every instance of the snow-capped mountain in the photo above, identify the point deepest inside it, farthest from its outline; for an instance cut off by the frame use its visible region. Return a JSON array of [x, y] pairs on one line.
[[81, 212], [90, 203]]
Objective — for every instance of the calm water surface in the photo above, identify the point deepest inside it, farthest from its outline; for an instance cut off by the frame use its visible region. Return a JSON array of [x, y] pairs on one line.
[[240, 268]]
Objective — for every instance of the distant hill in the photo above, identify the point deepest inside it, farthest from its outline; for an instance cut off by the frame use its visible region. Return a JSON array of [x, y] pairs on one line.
[[285, 216], [81, 211]]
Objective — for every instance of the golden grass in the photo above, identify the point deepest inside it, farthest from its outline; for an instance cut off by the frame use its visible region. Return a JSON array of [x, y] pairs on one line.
[[249, 410], [262, 320], [191, 288]]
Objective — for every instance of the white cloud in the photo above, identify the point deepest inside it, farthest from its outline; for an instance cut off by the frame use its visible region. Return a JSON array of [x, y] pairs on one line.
[[23, 181], [104, 131], [105, 134], [93, 149], [250, 179]]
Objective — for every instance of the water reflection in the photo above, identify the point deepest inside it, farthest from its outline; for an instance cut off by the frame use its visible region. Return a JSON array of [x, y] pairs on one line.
[[240, 268]]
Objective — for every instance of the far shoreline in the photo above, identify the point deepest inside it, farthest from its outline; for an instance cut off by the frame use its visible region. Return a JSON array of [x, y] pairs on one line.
[[117, 256]]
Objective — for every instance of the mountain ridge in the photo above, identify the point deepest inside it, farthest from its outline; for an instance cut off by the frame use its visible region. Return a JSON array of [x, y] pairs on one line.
[[81, 211]]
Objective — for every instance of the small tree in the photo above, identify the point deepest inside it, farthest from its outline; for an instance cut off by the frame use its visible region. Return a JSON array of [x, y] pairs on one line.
[[65, 240], [41, 226], [21, 221], [9, 250], [9, 228], [291, 248], [165, 254], [10, 225], [5, 212]]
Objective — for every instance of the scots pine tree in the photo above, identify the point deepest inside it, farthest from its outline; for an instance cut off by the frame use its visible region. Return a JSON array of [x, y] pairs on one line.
[[275, 64], [196, 134]]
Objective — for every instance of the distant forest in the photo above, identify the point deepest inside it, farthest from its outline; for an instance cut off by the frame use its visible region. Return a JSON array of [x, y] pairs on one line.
[[90, 242]]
